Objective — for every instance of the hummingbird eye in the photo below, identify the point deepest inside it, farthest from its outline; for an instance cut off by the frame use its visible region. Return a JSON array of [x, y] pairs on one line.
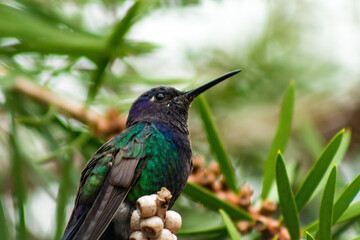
[[159, 96]]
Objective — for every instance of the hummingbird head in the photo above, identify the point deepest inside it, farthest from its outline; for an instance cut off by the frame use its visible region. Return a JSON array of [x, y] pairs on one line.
[[168, 105]]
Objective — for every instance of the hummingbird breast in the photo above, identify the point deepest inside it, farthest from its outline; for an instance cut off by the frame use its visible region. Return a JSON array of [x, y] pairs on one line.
[[168, 165]]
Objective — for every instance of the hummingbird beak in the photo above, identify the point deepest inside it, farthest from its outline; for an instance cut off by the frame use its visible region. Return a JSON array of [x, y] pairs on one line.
[[192, 94]]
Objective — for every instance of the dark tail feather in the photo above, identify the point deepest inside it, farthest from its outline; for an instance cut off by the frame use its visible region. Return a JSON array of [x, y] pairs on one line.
[[101, 213], [74, 224]]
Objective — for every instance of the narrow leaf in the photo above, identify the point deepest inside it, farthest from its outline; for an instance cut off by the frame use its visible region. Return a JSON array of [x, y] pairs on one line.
[[192, 216], [346, 198], [216, 144], [116, 38], [19, 186], [351, 212], [45, 36], [317, 172], [313, 227], [311, 137], [216, 230], [342, 203], [343, 148], [63, 196], [338, 158], [233, 233], [4, 228], [280, 140], [326, 207], [209, 200], [339, 230], [286, 198], [309, 236]]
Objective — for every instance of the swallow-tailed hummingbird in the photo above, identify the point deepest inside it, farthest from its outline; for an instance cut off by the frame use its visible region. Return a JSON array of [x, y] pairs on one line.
[[153, 151]]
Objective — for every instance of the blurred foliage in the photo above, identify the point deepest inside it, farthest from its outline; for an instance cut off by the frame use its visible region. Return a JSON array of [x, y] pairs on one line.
[[43, 149]]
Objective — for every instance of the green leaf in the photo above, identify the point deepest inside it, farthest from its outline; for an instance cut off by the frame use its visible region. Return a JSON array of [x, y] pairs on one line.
[[19, 186], [317, 172], [309, 236], [342, 203], [233, 233], [209, 200], [63, 196], [197, 219], [344, 146], [339, 156], [311, 137], [200, 222], [326, 207], [313, 227], [216, 144], [116, 39], [357, 238], [43, 36], [216, 230], [342, 228], [346, 198], [4, 228], [351, 212], [280, 140], [286, 198]]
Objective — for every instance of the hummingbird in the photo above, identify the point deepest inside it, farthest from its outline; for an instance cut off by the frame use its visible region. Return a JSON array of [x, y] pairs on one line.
[[153, 151]]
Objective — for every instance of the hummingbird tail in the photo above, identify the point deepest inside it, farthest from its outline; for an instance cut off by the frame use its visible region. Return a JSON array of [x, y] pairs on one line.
[[71, 230], [102, 212]]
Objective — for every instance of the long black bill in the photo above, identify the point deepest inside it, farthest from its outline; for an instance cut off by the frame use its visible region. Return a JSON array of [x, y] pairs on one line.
[[195, 92]]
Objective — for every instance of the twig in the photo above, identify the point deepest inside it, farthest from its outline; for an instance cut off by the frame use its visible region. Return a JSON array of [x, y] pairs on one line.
[[107, 125]]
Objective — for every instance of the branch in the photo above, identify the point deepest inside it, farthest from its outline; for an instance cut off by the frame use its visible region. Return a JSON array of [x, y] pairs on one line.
[[108, 125]]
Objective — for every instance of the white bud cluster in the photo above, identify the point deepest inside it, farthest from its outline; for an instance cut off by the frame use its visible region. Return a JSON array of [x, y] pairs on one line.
[[152, 221]]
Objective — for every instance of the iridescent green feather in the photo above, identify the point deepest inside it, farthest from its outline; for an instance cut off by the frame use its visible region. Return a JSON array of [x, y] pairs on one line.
[[160, 166]]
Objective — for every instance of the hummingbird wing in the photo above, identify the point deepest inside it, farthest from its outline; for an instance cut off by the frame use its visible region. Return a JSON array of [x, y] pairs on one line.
[[105, 182]]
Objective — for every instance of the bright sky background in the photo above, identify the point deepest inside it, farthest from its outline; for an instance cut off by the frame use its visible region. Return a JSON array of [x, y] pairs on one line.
[[335, 32]]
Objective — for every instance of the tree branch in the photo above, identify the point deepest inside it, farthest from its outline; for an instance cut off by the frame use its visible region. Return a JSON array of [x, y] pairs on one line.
[[108, 125]]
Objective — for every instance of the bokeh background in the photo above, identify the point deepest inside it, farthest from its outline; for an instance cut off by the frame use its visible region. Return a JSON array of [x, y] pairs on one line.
[[58, 56]]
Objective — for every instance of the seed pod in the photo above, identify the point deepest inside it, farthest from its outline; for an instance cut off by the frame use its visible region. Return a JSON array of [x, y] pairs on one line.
[[245, 194], [173, 221], [137, 235], [153, 196], [284, 234], [198, 164], [273, 227], [146, 206], [135, 221], [151, 227], [206, 178], [222, 195], [216, 186], [232, 197], [244, 226], [192, 178], [166, 235], [267, 208], [162, 202], [261, 223], [215, 168]]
